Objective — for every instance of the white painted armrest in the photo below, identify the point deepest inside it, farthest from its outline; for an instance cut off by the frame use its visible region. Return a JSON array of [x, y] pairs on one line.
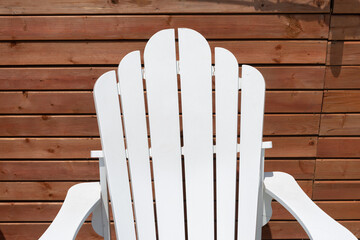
[[80, 201], [317, 224]]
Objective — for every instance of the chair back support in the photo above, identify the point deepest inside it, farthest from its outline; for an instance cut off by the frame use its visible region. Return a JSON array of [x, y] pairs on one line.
[[179, 128]]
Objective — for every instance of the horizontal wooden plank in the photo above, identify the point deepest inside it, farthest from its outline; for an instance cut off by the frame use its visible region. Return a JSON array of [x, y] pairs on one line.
[[339, 210], [36, 191], [110, 52], [343, 53], [341, 101], [83, 78], [292, 147], [144, 26], [14, 7], [36, 148], [293, 101], [86, 125], [342, 77], [344, 27], [346, 6], [299, 169], [299, 77], [340, 124], [49, 170], [60, 78], [82, 102], [49, 125], [337, 169], [336, 190], [73, 148], [338, 147], [73, 170], [46, 211]]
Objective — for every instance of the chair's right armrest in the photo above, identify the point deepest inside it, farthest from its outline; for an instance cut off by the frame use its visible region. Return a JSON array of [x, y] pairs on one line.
[[317, 224], [80, 201]]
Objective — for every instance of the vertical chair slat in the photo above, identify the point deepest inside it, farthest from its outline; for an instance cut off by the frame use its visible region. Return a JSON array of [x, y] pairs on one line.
[[162, 96], [196, 98], [133, 106], [250, 184], [226, 96], [109, 120]]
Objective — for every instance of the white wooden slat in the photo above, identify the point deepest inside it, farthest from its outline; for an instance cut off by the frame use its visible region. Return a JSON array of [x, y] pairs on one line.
[[132, 101], [112, 140], [250, 183], [162, 98], [226, 99], [196, 98]]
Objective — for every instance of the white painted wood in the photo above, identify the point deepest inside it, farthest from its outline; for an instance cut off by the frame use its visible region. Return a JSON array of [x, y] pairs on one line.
[[250, 184], [196, 98], [267, 209], [110, 126], [96, 154], [226, 96], [80, 201], [162, 99], [100, 218], [317, 224], [132, 101]]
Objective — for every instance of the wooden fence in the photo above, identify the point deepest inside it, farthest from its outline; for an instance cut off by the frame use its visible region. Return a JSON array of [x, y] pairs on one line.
[[52, 51]]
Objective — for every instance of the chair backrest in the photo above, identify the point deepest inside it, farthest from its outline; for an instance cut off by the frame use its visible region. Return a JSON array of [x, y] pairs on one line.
[[167, 136]]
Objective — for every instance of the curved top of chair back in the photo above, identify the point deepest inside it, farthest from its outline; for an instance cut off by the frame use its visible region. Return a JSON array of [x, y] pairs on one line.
[[179, 128]]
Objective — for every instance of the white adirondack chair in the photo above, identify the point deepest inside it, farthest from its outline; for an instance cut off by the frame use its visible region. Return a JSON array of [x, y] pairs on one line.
[[170, 218]]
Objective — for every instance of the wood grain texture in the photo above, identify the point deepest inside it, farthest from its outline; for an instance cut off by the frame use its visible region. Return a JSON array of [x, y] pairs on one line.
[[341, 101], [294, 101], [35, 148], [83, 78], [343, 53], [340, 124], [346, 6], [292, 146], [49, 170], [144, 26], [338, 147], [336, 190], [337, 169], [299, 77], [342, 77], [49, 125], [34, 190], [158, 6], [60, 78], [299, 169], [86, 125], [73, 148], [345, 27], [75, 102], [110, 52]]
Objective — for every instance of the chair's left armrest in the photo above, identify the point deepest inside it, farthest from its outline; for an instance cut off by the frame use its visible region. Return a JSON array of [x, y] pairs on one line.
[[80, 201], [317, 224]]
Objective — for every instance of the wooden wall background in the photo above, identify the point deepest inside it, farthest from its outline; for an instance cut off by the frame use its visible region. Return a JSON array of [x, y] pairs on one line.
[[52, 51]]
